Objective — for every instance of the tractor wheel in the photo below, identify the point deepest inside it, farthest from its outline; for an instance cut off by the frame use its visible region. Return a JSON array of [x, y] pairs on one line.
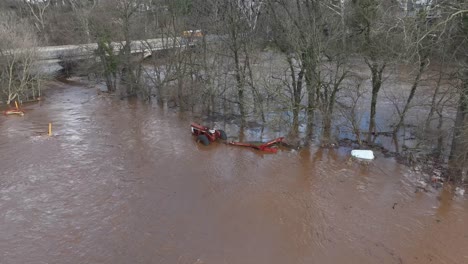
[[203, 139], [222, 134]]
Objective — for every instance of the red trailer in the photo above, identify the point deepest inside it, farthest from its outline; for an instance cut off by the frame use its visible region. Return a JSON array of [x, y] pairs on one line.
[[267, 147], [206, 135]]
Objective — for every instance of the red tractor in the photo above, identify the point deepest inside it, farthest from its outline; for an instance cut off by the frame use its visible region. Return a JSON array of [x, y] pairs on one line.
[[205, 135]]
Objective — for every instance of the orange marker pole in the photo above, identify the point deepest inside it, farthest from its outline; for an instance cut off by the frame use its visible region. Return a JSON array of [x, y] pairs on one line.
[[50, 129], [16, 104]]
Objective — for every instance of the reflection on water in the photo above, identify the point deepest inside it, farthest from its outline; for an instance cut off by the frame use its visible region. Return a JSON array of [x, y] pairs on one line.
[[124, 182]]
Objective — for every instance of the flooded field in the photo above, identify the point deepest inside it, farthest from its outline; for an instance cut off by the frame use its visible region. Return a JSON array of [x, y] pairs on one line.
[[124, 182]]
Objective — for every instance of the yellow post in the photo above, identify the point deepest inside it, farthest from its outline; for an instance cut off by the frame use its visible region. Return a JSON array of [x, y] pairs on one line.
[[50, 129], [16, 104]]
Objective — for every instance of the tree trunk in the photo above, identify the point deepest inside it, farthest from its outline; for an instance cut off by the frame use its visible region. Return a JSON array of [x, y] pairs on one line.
[[433, 103], [296, 97], [105, 53], [258, 105], [310, 71], [239, 80], [459, 149], [310, 111], [422, 66], [180, 88], [440, 136], [297, 101], [376, 71], [326, 136], [110, 83], [327, 118]]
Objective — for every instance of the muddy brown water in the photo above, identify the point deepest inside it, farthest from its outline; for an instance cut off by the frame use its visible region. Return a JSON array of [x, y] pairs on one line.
[[124, 182]]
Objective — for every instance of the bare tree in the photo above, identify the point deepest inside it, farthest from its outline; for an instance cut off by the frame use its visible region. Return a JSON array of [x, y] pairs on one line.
[[251, 10], [82, 10], [377, 36], [350, 106], [331, 86], [419, 54], [37, 9], [19, 78]]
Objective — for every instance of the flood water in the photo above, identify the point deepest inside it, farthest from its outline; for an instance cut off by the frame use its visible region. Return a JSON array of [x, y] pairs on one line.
[[124, 182]]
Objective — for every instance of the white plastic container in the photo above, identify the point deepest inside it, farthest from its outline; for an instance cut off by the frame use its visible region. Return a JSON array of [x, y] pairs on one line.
[[363, 154], [460, 191]]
